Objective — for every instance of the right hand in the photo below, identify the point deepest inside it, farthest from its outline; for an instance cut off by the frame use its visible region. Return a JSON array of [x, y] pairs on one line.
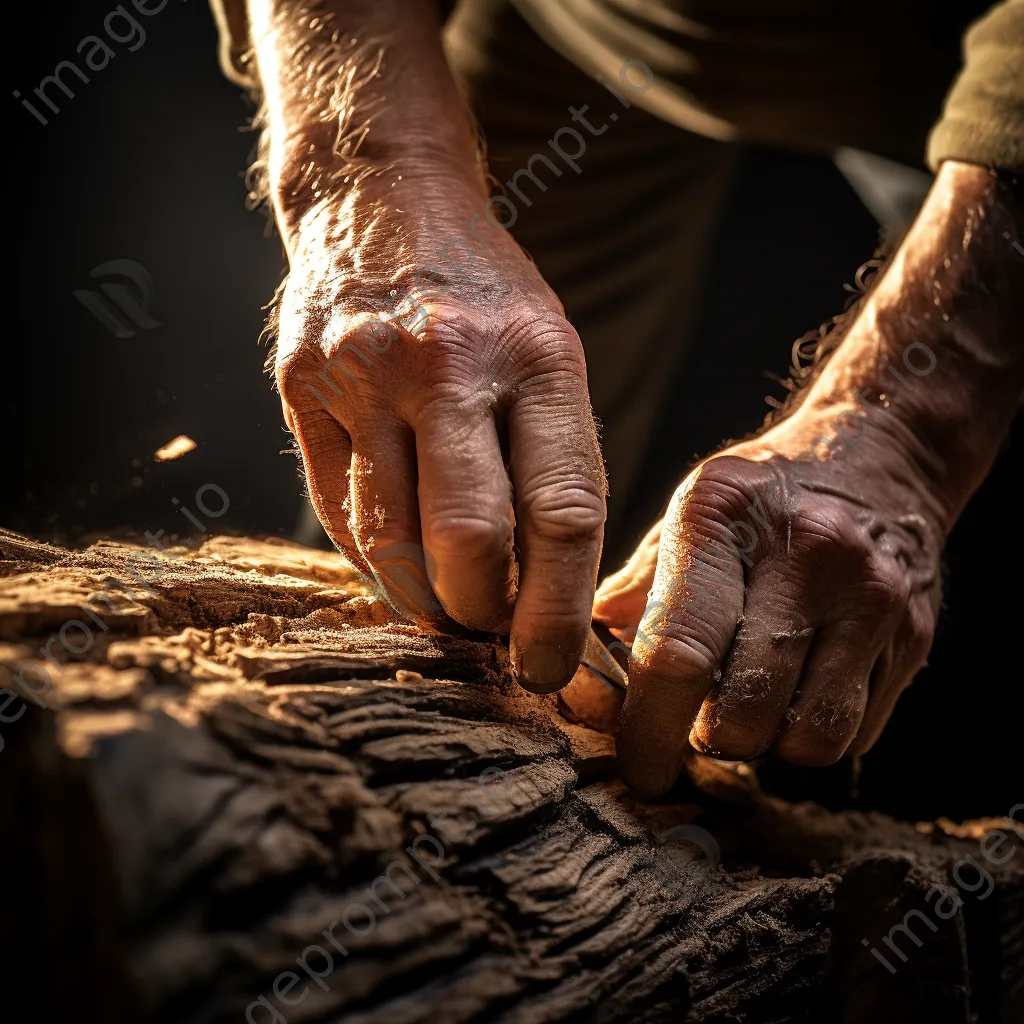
[[424, 420]]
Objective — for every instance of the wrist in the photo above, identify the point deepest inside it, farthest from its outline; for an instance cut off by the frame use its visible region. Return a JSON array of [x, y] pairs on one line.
[[934, 362], [361, 91], [397, 186]]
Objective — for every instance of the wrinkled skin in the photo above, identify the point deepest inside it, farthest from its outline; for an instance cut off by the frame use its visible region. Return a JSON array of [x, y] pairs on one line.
[[791, 591], [839, 599], [444, 425], [425, 403]]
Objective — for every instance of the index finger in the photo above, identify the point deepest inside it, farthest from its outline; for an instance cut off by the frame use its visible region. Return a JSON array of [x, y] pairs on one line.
[[680, 645], [559, 482]]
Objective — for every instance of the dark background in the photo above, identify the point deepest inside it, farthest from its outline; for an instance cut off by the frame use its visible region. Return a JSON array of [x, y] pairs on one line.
[[147, 162]]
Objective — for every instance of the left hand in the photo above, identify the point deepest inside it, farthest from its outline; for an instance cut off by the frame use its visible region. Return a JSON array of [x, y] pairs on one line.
[[791, 591], [791, 601]]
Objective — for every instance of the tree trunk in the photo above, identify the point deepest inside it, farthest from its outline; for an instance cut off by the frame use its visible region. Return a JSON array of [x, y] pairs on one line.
[[242, 790]]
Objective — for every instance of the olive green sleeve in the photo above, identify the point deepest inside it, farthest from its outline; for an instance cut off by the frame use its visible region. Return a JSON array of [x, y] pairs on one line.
[[983, 118]]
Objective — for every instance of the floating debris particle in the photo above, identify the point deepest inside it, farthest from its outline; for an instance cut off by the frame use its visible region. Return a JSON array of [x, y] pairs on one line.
[[175, 448]]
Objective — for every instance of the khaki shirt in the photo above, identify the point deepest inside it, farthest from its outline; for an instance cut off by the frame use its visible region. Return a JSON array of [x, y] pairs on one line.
[[804, 74]]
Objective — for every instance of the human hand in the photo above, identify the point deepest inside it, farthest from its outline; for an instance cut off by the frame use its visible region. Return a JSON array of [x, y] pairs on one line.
[[442, 414], [437, 393], [790, 603], [794, 581]]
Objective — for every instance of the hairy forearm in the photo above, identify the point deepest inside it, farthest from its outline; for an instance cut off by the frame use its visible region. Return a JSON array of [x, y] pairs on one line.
[[351, 86], [935, 360]]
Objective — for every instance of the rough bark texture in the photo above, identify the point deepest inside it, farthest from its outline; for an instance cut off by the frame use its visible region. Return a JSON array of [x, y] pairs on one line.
[[250, 747]]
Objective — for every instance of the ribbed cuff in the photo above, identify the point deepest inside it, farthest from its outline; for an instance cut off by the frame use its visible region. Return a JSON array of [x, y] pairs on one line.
[[997, 143], [983, 116]]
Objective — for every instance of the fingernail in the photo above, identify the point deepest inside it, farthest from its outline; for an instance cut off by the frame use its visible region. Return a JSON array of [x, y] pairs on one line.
[[647, 778], [543, 669], [701, 747]]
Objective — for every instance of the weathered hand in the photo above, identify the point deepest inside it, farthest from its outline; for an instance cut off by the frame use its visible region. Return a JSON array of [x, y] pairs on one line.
[[433, 384], [437, 393], [793, 600], [796, 576]]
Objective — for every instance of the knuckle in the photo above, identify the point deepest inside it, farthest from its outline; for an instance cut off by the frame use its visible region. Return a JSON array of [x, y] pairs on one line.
[[731, 473], [548, 617], [546, 344], [567, 511], [450, 341], [821, 530], [308, 380], [726, 494], [671, 653], [811, 748], [469, 537], [290, 373], [742, 715], [828, 545], [731, 737], [713, 500], [818, 735], [694, 628], [877, 593], [546, 328], [888, 589]]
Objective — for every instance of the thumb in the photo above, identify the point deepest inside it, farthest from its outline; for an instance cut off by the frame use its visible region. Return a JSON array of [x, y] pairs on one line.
[[622, 597]]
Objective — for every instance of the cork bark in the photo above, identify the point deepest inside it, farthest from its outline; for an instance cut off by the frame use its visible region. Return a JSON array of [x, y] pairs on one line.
[[247, 770]]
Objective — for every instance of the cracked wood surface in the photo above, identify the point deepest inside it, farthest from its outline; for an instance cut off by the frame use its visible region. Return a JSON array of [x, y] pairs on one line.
[[252, 747]]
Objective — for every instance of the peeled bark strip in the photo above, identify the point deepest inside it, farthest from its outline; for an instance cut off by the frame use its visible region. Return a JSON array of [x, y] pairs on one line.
[[250, 751]]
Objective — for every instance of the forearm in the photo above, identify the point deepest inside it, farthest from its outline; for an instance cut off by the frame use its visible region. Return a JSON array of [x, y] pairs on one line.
[[934, 364], [353, 85]]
